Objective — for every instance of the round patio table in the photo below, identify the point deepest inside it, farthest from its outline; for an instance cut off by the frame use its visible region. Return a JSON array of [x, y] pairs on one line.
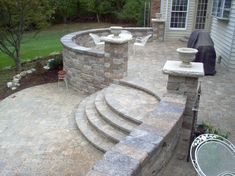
[[213, 155]]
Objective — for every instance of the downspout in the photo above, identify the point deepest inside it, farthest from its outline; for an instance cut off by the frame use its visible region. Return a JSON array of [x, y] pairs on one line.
[[161, 6], [231, 48], [166, 18], [166, 10]]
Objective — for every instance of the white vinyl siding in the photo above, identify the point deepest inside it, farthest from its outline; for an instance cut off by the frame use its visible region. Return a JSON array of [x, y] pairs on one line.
[[223, 35], [178, 33]]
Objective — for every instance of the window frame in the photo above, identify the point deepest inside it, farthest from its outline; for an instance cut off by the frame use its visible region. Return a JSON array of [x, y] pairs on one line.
[[186, 19], [222, 8]]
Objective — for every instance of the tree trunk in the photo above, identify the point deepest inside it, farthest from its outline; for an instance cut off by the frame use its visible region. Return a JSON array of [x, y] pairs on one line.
[[17, 57], [97, 17], [18, 65], [65, 19]]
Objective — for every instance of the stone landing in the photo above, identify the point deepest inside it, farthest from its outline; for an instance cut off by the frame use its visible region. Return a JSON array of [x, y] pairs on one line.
[[39, 135], [108, 116]]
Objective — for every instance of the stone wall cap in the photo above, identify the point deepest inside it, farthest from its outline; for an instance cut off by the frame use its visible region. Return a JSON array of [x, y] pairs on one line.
[[138, 28], [158, 20], [174, 68], [68, 42]]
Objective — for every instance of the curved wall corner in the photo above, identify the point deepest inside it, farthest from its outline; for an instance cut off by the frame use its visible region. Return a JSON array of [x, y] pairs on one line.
[[86, 66]]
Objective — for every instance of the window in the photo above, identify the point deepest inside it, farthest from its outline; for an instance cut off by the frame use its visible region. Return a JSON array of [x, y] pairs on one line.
[[179, 10], [221, 9], [201, 14]]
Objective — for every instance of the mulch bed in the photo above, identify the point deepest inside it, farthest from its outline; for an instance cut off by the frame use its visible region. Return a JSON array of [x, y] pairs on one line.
[[41, 76], [29, 81]]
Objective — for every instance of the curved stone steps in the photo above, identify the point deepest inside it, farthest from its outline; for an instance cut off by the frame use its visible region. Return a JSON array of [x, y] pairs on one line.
[[106, 117], [99, 124], [111, 117], [129, 102], [96, 139]]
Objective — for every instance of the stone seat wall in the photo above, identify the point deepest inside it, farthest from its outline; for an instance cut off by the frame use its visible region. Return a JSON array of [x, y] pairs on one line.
[[85, 64]]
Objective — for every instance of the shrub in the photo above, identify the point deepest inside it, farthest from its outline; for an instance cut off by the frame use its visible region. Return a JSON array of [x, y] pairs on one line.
[[206, 127], [56, 63]]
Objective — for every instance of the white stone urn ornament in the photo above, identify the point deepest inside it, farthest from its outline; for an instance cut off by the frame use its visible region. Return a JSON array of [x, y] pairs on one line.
[[158, 15], [116, 30], [186, 55]]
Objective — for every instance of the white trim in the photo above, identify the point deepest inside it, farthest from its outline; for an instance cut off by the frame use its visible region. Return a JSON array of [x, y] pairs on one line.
[[222, 9], [186, 19], [166, 9], [166, 18], [177, 29], [161, 6]]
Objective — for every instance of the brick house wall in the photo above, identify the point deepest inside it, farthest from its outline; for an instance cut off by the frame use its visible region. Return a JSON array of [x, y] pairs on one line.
[[156, 5]]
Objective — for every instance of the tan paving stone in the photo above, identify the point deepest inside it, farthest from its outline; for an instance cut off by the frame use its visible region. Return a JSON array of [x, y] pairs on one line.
[[39, 136]]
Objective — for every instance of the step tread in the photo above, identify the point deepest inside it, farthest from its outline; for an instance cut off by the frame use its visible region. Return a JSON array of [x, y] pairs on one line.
[[101, 125], [141, 85], [129, 102], [111, 117], [100, 142]]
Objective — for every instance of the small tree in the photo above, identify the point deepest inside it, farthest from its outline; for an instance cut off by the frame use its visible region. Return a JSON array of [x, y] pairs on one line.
[[65, 8], [18, 16], [132, 11], [98, 7]]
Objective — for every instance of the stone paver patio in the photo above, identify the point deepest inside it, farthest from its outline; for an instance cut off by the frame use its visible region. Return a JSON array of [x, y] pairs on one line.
[[38, 135], [38, 132]]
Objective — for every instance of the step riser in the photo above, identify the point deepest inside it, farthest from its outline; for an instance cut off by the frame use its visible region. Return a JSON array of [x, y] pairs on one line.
[[89, 140], [111, 117], [105, 135], [100, 125], [89, 132], [127, 131], [92, 143]]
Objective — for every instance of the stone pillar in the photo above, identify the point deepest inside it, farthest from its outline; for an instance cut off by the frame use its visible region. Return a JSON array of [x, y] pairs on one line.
[[184, 81], [158, 29], [116, 57]]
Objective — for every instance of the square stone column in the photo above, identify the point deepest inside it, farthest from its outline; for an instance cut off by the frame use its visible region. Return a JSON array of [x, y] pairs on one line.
[[116, 56], [158, 29], [184, 81]]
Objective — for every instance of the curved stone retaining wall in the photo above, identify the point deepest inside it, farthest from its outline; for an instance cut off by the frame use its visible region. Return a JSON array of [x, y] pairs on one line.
[[86, 66], [149, 146]]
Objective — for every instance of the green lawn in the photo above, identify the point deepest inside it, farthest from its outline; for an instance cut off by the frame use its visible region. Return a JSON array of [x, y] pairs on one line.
[[46, 42]]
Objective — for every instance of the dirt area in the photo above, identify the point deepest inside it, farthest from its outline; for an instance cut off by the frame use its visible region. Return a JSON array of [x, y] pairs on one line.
[[29, 81], [41, 76]]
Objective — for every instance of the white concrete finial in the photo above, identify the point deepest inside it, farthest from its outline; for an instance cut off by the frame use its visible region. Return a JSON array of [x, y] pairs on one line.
[[116, 30], [186, 55]]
